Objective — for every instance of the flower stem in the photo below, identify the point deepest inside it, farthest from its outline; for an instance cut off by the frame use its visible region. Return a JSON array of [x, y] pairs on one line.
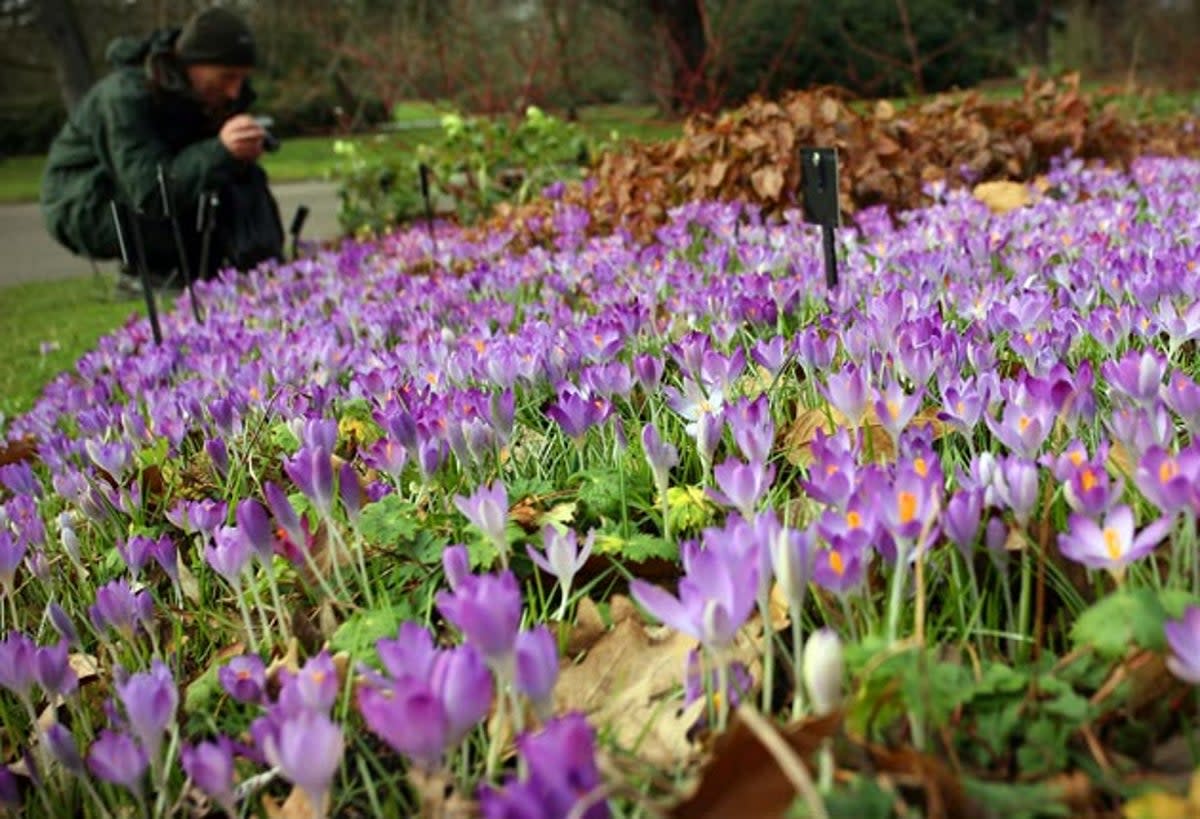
[[797, 665], [899, 574], [249, 626]]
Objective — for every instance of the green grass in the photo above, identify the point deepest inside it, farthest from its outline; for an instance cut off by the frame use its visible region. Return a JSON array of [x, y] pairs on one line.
[[20, 178], [301, 158], [69, 316]]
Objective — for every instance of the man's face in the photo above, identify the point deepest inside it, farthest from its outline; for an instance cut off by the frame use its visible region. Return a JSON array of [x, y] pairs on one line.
[[217, 86]]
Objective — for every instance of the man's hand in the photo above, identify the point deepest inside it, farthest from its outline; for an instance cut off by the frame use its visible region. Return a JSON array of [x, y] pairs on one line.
[[242, 137]]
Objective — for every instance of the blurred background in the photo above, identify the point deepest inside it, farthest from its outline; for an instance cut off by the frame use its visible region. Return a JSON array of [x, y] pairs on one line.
[[348, 66]]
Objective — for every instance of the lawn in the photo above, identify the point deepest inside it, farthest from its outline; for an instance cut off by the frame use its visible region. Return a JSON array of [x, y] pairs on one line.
[[45, 327]]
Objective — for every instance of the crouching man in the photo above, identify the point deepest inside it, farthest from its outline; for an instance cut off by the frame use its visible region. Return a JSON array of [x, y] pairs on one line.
[[176, 101]]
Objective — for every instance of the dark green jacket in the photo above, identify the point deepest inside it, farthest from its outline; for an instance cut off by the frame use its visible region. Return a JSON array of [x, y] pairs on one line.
[[141, 115]]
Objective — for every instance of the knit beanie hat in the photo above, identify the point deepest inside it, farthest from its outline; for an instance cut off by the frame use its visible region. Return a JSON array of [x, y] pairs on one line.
[[216, 36]]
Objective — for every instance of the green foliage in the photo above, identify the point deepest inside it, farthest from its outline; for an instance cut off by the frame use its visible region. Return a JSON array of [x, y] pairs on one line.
[[388, 521], [857, 44], [690, 509], [476, 163], [358, 634], [1129, 618]]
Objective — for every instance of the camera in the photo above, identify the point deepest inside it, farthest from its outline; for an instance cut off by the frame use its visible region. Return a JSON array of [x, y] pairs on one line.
[[270, 141]]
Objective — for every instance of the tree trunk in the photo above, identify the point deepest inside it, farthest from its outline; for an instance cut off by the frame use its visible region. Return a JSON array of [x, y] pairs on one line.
[[683, 23], [58, 20]]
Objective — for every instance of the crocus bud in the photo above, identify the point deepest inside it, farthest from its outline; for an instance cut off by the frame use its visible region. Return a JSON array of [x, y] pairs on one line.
[[823, 669]]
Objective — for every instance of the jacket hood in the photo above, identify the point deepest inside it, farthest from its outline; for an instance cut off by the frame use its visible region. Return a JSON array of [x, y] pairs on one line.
[[133, 51]]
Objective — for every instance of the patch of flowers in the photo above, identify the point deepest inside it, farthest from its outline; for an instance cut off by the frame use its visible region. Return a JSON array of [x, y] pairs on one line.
[[339, 545]]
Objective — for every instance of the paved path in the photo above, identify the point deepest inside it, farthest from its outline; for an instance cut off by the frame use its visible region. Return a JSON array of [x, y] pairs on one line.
[[28, 253]]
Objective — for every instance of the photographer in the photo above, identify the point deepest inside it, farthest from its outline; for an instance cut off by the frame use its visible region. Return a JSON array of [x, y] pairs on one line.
[[176, 101]]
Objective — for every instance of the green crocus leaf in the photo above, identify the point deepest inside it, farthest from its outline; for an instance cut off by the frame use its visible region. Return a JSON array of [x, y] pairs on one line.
[[1129, 618]]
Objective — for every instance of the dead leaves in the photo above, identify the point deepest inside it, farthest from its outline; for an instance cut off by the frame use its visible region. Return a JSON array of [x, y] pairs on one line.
[[797, 436], [628, 682], [744, 778], [887, 156]]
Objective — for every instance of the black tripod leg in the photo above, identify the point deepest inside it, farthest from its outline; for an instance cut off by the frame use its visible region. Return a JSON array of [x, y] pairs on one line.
[[143, 272], [184, 268], [208, 208]]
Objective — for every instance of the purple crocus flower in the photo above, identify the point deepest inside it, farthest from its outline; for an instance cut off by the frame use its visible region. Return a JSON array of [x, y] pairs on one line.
[[563, 558], [218, 453], [841, 566], [150, 699], [62, 745], [791, 552], [487, 509], [10, 792], [847, 392], [117, 758], [244, 678], [410, 653], [1023, 428], [114, 457], [62, 624], [742, 485], [12, 552], [54, 672], [135, 551], [313, 688], [456, 563], [648, 369], [1137, 377], [562, 765], [487, 610], [661, 456], [433, 700], [311, 469], [770, 354], [1016, 484], [203, 515], [1183, 638], [409, 717], [1113, 545], [17, 664], [715, 596], [255, 527], [964, 513], [962, 407], [118, 607], [350, 491], [228, 554], [388, 457], [536, 666], [752, 427], [1182, 396], [1168, 481], [576, 412], [210, 766], [909, 507], [285, 513], [307, 748], [895, 409]]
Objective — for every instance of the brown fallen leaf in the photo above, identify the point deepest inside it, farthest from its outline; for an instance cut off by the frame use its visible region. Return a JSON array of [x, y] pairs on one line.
[[742, 778], [798, 436], [629, 685], [21, 450], [296, 806]]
